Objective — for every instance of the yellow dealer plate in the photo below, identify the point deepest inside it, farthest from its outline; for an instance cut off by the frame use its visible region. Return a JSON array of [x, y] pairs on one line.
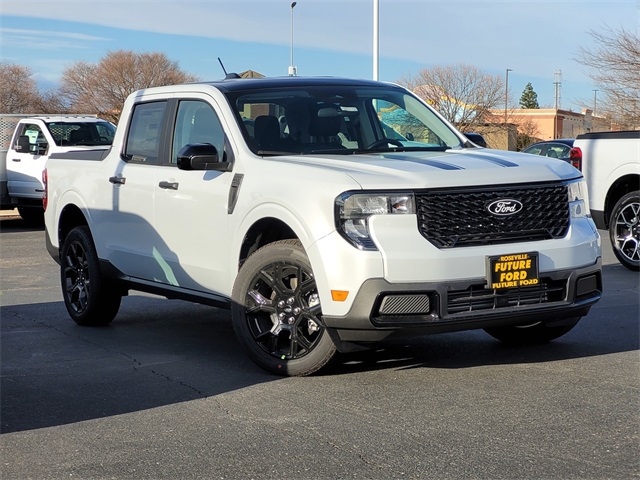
[[513, 271]]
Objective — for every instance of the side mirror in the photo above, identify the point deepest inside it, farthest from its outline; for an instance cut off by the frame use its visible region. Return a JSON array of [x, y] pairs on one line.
[[23, 145], [201, 156], [409, 136]]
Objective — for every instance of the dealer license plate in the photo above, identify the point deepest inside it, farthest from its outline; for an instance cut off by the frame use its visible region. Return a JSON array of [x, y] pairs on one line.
[[513, 271]]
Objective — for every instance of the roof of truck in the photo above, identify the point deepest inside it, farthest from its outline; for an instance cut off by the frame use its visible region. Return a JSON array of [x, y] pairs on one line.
[[235, 84]]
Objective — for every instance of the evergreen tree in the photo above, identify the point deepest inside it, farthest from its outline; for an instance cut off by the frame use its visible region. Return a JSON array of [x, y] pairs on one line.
[[529, 98]]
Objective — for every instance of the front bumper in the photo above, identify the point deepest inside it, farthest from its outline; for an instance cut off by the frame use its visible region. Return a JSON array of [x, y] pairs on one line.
[[381, 308]]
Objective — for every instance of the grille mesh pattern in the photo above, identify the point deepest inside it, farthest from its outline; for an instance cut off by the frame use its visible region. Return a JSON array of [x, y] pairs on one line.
[[479, 298], [460, 218], [405, 305]]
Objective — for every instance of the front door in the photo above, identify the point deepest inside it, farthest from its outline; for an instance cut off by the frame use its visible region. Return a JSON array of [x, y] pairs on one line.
[[25, 163], [191, 206]]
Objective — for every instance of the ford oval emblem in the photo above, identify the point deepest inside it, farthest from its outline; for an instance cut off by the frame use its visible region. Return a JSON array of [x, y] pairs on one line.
[[505, 206]]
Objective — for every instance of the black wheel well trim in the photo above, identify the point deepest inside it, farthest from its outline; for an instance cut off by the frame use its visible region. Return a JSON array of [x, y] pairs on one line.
[[262, 232], [70, 217]]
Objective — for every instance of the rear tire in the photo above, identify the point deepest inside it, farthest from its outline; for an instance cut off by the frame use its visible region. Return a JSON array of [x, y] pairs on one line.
[[533, 334], [88, 296], [276, 311], [32, 215], [624, 230]]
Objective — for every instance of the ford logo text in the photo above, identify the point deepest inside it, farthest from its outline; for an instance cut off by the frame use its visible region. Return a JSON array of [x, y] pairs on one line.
[[505, 206]]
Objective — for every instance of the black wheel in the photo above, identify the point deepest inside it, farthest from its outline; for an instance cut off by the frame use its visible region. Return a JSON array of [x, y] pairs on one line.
[[532, 334], [89, 298], [32, 215], [384, 142], [624, 230], [276, 311]]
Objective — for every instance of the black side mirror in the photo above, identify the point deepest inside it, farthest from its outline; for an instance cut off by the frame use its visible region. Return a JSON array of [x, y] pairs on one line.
[[201, 156], [23, 145]]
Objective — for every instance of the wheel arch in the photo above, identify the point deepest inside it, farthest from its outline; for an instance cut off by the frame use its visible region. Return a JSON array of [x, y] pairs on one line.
[[262, 232], [622, 186], [71, 216]]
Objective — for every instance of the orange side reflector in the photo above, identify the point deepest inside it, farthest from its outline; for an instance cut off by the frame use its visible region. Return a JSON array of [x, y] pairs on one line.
[[339, 295]]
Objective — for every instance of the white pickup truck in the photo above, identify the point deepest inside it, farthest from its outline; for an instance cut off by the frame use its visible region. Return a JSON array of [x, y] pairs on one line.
[[27, 141], [287, 201], [611, 166]]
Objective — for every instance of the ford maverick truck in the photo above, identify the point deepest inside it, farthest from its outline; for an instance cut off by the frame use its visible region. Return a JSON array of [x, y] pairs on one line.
[[288, 201]]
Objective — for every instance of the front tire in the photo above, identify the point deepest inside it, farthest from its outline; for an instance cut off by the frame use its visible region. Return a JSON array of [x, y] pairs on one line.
[[89, 298], [533, 334], [624, 230], [276, 311]]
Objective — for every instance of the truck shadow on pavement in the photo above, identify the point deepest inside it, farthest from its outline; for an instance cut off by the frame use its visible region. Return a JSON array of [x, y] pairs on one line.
[[159, 352], [156, 352]]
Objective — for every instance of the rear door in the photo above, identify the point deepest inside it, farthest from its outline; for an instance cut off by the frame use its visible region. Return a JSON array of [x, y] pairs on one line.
[[126, 223]]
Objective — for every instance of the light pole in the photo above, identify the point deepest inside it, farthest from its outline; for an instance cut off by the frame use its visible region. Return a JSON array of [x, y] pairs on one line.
[[506, 94], [595, 102], [376, 37], [293, 70]]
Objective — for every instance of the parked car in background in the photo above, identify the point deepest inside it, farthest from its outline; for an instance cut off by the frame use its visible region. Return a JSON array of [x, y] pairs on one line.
[[561, 148], [26, 143]]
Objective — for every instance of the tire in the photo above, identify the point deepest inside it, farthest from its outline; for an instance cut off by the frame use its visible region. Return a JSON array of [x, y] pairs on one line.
[[32, 215], [624, 230], [276, 312], [89, 298], [533, 334]]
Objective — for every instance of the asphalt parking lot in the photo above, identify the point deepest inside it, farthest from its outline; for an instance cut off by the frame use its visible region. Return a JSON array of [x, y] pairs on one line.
[[165, 392]]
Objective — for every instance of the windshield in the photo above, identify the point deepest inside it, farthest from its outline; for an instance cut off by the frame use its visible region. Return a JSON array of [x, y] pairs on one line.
[[78, 133], [339, 119]]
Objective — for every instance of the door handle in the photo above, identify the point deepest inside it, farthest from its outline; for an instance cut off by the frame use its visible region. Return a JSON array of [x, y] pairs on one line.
[[16, 160], [168, 185], [117, 180]]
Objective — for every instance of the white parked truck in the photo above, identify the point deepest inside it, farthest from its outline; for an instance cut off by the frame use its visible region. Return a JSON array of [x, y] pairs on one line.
[[611, 167], [287, 201], [27, 141]]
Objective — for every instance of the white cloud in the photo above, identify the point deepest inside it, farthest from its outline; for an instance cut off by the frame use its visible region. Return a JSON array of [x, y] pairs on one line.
[[45, 39]]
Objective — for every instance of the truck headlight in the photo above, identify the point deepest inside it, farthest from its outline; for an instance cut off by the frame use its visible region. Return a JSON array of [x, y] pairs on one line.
[[578, 199], [354, 209]]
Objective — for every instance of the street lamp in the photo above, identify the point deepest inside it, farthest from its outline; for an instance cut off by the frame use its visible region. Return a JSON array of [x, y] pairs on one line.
[[506, 94], [595, 102], [376, 37], [293, 70]]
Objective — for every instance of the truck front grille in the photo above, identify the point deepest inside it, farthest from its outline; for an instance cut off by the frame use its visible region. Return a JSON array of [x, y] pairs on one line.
[[460, 217]]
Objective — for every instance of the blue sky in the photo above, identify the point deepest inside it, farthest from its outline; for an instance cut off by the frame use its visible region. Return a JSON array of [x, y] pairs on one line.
[[534, 38]]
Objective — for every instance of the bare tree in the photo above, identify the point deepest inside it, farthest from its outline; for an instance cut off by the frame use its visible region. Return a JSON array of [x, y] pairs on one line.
[[615, 68], [461, 93], [528, 133], [102, 88], [18, 90]]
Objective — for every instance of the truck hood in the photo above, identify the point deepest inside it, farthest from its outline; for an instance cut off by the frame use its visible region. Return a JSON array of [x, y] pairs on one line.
[[452, 168]]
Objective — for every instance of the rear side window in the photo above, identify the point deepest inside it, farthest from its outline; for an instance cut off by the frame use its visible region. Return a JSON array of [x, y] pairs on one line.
[[143, 137]]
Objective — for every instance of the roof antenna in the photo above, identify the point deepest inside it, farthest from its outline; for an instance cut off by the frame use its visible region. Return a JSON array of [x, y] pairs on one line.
[[227, 75]]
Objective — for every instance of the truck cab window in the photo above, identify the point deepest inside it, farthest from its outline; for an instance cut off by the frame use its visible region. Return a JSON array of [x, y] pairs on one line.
[[143, 139], [196, 123]]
